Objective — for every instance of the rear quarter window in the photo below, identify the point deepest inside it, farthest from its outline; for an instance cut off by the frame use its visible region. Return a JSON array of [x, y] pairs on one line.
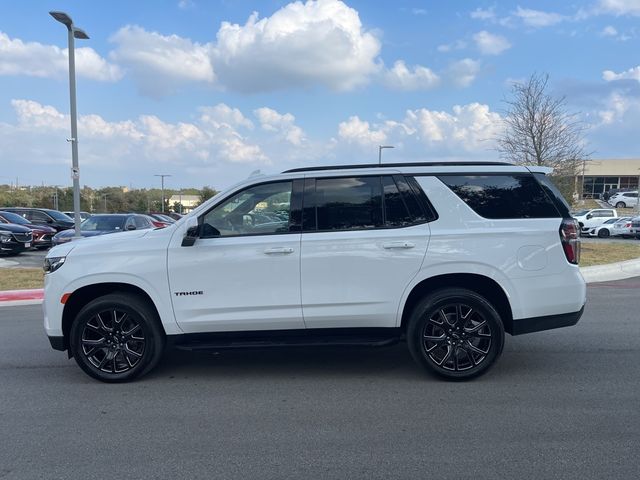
[[502, 196]]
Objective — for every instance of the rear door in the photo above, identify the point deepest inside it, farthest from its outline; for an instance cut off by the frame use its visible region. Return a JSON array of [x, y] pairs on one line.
[[364, 238]]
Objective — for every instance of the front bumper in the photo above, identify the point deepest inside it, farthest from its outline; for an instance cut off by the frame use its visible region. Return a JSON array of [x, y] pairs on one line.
[[539, 324], [12, 247]]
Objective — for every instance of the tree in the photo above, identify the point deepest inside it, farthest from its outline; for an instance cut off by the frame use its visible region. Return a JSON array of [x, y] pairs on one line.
[[540, 131], [206, 193]]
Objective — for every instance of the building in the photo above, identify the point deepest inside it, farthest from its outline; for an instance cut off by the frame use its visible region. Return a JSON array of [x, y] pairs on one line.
[[188, 202], [604, 174]]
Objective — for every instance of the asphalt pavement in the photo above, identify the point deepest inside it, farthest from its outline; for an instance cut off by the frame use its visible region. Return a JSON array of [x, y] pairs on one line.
[[28, 259], [559, 404]]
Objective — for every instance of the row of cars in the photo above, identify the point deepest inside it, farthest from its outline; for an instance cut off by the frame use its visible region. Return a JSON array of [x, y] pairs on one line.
[[605, 222], [39, 228]]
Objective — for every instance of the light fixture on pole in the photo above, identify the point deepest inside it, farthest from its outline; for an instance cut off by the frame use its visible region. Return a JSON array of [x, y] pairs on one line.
[[74, 32], [380, 148], [162, 183]]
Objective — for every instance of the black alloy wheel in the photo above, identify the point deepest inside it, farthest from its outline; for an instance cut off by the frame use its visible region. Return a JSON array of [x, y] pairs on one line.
[[455, 333], [116, 338], [603, 233]]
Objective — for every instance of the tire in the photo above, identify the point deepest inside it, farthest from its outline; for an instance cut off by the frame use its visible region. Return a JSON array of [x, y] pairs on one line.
[[460, 316], [603, 233], [120, 355], [621, 205]]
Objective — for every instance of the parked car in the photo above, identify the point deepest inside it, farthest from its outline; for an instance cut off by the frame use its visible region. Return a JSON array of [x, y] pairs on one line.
[[609, 193], [161, 217], [14, 239], [587, 219], [446, 257], [43, 216], [83, 215], [613, 226], [102, 224], [635, 227], [624, 199], [158, 223], [42, 235]]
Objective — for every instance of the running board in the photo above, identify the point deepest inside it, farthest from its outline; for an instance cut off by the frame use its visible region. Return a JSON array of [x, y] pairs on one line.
[[287, 338]]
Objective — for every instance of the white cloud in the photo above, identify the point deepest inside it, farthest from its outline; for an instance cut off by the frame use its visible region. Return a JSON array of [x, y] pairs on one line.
[[359, 132], [483, 14], [448, 47], [162, 63], [631, 74], [469, 127], [223, 115], [272, 121], [491, 44], [619, 7], [418, 11], [463, 72], [416, 78], [301, 45], [538, 18], [185, 4], [609, 31], [49, 61]]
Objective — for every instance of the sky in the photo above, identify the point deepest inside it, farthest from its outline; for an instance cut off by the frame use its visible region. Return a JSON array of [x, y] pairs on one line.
[[211, 91]]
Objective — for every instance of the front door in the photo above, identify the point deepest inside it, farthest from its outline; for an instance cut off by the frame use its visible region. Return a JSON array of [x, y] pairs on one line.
[[243, 273]]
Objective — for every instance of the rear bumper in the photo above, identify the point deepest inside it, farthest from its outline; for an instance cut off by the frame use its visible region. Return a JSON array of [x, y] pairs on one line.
[[538, 324], [57, 343]]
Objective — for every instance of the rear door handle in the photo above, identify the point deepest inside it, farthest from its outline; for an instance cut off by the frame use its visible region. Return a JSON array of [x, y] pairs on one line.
[[402, 244], [276, 250]]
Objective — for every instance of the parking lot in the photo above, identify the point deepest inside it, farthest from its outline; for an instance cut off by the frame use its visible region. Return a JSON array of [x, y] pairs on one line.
[[559, 404], [28, 259]]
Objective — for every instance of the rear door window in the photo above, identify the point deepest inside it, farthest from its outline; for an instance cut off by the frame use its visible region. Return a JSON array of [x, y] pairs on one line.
[[348, 203]]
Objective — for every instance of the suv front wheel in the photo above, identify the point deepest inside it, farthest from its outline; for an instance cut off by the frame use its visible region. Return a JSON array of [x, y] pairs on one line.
[[116, 338], [455, 333]]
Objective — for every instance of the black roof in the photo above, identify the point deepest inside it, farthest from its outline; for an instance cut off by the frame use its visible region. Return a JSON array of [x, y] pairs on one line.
[[392, 165]]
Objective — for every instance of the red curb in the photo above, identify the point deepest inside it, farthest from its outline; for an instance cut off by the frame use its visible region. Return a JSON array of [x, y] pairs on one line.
[[13, 295]]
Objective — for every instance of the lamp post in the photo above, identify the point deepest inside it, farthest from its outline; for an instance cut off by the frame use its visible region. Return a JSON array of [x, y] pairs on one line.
[[74, 33], [380, 148], [162, 186]]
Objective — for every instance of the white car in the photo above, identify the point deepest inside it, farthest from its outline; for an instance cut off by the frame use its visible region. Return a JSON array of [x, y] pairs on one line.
[[624, 199], [444, 256], [588, 219], [613, 227]]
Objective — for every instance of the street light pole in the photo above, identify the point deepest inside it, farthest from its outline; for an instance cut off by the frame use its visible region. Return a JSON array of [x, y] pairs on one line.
[[73, 33], [380, 148], [162, 184]]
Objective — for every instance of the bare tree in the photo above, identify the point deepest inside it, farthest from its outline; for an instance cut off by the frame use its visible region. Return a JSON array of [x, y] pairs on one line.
[[540, 131]]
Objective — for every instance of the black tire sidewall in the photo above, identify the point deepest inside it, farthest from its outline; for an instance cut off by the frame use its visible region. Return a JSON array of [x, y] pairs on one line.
[[603, 233], [154, 339], [440, 298]]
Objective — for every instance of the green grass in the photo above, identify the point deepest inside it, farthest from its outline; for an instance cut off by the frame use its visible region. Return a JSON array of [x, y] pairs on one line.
[[608, 252], [21, 278]]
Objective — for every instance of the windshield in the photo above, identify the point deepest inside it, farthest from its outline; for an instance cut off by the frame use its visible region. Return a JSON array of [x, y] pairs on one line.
[[14, 218], [103, 223], [579, 213], [56, 215]]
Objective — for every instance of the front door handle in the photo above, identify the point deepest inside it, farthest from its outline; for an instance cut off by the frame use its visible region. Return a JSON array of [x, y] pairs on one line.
[[276, 250], [401, 244]]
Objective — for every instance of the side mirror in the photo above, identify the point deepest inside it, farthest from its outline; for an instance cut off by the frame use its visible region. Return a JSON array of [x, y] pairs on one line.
[[131, 227], [191, 233], [589, 215]]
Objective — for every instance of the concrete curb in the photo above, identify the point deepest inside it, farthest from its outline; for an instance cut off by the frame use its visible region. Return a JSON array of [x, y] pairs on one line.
[[10, 298], [611, 271]]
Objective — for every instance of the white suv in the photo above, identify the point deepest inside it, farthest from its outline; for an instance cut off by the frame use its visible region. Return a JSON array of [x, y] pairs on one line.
[[624, 199], [446, 257]]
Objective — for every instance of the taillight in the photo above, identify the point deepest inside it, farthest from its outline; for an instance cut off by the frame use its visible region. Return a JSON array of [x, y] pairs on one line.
[[158, 224], [627, 225], [570, 240]]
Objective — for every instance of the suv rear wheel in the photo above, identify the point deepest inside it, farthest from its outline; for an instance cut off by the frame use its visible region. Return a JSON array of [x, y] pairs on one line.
[[116, 338], [621, 205], [455, 333]]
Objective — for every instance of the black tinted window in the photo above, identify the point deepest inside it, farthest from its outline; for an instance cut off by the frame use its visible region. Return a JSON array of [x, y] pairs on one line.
[[395, 210], [502, 196], [348, 203], [38, 217], [141, 222]]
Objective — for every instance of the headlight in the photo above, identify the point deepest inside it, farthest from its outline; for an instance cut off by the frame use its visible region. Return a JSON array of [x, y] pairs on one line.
[[51, 264], [5, 237]]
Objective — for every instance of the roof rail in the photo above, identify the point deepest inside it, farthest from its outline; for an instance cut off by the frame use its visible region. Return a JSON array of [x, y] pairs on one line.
[[392, 165]]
